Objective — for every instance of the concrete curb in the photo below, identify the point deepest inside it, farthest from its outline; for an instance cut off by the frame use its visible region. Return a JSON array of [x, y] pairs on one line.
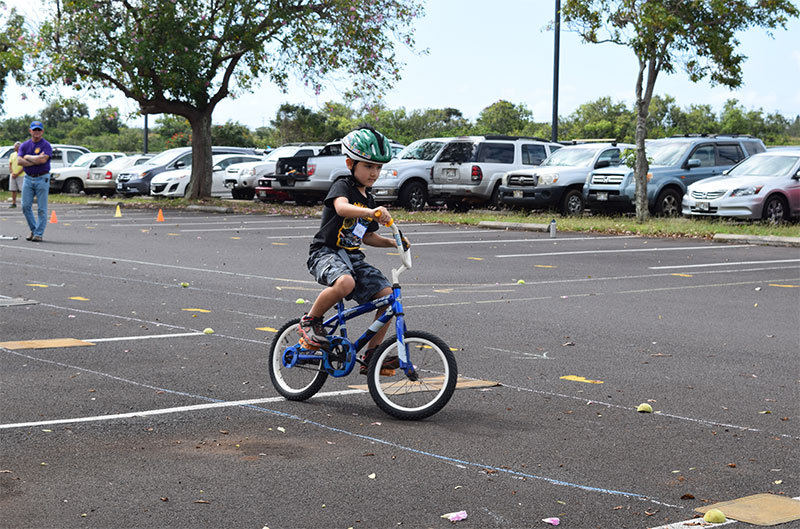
[[765, 240], [210, 209], [495, 225]]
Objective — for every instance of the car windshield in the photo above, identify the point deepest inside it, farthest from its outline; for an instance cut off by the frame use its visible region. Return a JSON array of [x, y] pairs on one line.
[[571, 157], [421, 150], [766, 165], [165, 157], [665, 152], [119, 163], [83, 160], [281, 152]]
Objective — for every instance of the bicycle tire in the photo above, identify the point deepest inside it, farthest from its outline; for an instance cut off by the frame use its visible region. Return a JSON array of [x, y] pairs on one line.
[[403, 398], [299, 382]]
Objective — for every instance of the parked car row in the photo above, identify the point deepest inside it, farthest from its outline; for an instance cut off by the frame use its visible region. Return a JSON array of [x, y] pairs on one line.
[[702, 175]]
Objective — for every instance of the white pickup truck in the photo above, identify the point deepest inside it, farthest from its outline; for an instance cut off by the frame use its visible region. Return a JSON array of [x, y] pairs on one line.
[[307, 179], [242, 178]]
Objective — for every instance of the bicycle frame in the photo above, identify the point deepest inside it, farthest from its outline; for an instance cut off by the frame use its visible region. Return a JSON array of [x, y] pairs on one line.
[[395, 309]]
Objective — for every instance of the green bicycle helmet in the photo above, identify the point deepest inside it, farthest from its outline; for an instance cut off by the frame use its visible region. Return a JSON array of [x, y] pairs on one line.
[[367, 145]]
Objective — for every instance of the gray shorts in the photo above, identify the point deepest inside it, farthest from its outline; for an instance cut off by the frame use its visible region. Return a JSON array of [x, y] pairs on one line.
[[15, 184], [326, 265]]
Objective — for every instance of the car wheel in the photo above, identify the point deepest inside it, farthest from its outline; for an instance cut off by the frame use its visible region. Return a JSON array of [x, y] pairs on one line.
[[73, 186], [248, 194], [459, 206], [775, 210], [413, 196], [236, 194], [495, 201], [668, 203], [573, 203], [305, 200]]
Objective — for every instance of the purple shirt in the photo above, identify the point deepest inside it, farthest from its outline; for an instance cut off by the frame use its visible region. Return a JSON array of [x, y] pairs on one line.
[[40, 147]]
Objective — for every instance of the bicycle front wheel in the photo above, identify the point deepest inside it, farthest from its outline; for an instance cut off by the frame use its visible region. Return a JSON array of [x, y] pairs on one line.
[[303, 379], [419, 396]]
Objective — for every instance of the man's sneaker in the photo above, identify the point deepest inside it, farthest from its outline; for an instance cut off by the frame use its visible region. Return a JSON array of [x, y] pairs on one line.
[[12, 206], [387, 369], [29, 237], [312, 331]]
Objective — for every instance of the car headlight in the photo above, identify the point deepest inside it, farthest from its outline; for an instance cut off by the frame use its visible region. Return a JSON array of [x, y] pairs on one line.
[[252, 171], [746, 191], [548, 179], [388, 173]]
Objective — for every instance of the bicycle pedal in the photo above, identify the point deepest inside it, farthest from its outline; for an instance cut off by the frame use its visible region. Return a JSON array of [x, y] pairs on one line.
[[305, 344]]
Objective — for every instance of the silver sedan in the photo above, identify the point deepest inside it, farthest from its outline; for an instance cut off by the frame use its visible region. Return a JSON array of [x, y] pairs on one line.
[[763, 186]]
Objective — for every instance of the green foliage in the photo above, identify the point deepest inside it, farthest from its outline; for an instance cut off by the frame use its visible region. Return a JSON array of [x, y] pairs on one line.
[[13, 42], [601, 118], [232, 135], [503, 117]]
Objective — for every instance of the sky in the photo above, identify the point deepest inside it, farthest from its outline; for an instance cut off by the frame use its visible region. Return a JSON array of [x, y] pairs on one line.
[[480, 52]]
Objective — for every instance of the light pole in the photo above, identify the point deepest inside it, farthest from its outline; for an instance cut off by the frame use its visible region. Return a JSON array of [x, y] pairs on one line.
[[145, 133], [557, 26]]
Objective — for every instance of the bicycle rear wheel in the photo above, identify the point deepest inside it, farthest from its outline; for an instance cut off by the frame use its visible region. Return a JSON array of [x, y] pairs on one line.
[[415, 397], [300, 381]]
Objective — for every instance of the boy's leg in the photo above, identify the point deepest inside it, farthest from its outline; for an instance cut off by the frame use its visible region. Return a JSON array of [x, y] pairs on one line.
[[376, 340]]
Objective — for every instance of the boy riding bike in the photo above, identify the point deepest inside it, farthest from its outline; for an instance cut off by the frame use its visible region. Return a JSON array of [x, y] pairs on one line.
[[350, 218]]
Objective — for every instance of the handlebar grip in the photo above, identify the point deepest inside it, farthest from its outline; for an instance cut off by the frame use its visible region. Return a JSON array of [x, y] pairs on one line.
[[378, 215]]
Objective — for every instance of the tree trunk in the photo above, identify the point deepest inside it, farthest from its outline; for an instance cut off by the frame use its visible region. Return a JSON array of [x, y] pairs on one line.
[[200, 183], [644, 94]]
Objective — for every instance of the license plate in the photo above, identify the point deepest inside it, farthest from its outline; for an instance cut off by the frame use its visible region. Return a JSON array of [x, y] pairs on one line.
[[262, 193], [602, 196], [518, 194], [703, 206], [119, 187], [449, 172]]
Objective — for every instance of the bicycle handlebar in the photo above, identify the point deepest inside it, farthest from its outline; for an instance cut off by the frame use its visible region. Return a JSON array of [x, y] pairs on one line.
[[405, 255]]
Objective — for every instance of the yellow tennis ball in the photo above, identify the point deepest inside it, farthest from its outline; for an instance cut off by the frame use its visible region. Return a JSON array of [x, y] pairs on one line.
[[300, 301], [185, 285], [644, 408], [714, 516], [208, 330], [521, 282]]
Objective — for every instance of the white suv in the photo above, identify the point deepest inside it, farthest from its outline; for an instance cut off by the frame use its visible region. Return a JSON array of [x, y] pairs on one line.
[[469, 169]]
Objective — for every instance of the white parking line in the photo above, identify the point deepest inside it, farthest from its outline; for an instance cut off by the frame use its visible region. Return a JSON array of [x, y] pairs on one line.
[[495, 241], [631, 250], [727, 263], [166, 411], [124, 338]]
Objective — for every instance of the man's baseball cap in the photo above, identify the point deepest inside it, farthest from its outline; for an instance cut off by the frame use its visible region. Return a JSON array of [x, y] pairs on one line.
[[37, 125]]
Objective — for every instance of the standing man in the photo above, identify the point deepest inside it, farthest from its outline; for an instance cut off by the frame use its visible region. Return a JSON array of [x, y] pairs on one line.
[[15, 175], [34, 157]]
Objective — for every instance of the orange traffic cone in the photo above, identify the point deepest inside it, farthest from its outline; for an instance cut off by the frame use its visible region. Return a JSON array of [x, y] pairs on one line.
[[53, 218], [160, 217]]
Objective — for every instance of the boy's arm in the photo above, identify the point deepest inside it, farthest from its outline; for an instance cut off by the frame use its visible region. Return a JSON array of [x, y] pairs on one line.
[[347, 210], [379, 241]]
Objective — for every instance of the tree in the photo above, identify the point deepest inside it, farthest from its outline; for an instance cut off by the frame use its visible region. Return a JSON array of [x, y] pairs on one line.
[[13, 37], [183, 57], [232, 134], [699, 35], [601, 118], [503, 117]]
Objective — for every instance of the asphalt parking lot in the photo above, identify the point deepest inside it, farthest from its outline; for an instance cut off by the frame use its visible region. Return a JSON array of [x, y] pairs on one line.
[[155, 424]]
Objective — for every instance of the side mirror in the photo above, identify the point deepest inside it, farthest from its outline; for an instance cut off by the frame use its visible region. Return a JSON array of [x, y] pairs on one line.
[[602, 163], [178, 165], [216, 168], [694, 162], [796, 176], [726, 171]]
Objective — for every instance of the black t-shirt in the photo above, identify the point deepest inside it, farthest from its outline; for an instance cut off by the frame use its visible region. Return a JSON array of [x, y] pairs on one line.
[[338, 232]]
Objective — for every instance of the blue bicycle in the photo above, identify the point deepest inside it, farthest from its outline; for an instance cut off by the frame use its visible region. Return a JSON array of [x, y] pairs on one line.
[[420, 387]]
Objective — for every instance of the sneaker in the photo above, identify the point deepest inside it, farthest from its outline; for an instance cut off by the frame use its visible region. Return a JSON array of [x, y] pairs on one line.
[[36, 238], [387, 369], [29, 237], [12, 206], [312, 331]]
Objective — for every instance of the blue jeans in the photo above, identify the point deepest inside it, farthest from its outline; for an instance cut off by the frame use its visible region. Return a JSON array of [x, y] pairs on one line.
[[38, 186]]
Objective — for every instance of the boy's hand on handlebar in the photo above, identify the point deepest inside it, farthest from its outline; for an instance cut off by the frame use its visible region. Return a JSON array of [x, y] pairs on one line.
[[404, 240], [381, 214]]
